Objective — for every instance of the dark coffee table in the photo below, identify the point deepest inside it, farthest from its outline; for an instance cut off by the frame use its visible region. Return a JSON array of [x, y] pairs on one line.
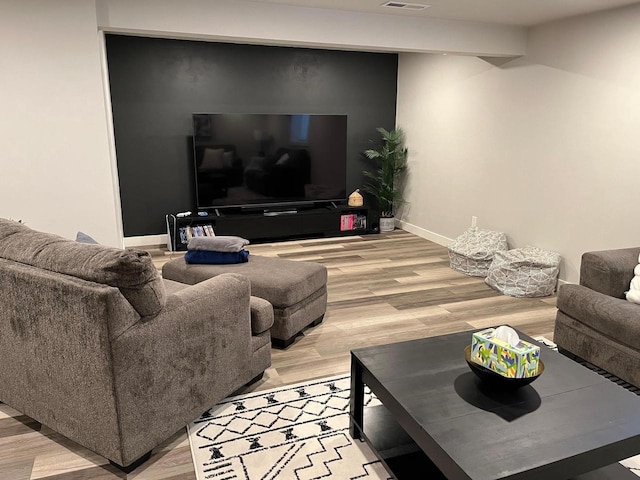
[[439, 420]]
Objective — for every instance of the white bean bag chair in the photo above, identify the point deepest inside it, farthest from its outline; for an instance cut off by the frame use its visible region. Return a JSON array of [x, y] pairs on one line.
[[524, 272], [472, 252]]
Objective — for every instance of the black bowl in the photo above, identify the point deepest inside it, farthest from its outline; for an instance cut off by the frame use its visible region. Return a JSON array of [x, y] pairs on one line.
[[495, 380]]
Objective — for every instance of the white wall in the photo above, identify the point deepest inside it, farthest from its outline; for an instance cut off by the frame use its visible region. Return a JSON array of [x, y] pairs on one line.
[[54, 154], [479, 135], [56, 170], [545, 148], [279, 24]]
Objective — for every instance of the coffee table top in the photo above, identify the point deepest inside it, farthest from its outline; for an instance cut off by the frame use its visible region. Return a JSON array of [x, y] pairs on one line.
[[569, 421]]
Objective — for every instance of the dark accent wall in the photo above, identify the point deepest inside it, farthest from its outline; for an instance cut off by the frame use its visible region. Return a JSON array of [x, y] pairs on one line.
[[156, 84]]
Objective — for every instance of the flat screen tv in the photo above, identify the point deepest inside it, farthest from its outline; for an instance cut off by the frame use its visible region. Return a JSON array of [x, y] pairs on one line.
[[268, 160]]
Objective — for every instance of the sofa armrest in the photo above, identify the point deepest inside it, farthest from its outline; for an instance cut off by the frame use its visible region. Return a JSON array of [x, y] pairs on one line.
[[609, 271], [261, 315], [613, 317], [169, 369]]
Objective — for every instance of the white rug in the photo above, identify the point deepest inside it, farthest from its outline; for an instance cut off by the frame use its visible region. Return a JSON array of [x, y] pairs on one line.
[[299, 431], [296, 432]]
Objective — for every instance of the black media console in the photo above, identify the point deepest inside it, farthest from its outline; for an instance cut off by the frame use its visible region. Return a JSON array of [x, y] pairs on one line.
[[267, 225]]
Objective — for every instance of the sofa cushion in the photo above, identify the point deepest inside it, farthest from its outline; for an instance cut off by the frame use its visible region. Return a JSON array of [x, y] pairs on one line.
[[172, 287], [613, 317], [609, 271], [132, 271], [261, 315]]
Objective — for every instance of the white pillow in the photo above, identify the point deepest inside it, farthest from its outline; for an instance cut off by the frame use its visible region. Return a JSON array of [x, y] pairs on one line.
[[633, 295], [213, 159]]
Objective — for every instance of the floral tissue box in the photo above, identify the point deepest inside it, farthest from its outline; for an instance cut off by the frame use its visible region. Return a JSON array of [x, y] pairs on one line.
[[519, 361]]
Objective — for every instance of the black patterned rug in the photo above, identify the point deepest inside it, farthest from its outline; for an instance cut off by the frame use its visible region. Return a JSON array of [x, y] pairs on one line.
[[296, 432]]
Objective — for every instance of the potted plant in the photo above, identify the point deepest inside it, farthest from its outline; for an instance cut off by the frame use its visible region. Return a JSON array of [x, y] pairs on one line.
[[385, 182]]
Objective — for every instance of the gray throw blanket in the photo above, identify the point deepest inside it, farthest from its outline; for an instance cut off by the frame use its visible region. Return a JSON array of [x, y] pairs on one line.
[[218, 243]]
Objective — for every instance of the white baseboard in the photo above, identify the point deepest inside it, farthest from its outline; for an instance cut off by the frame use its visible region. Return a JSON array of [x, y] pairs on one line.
[[145, 240], [426, 234]]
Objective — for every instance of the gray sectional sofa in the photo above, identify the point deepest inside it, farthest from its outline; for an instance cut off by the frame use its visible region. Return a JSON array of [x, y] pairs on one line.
[[595, 322], [98, 347]]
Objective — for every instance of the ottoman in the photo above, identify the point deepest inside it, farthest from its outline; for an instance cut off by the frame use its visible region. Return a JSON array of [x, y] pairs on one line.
[[524, 272], [297, 290], [472, 252]]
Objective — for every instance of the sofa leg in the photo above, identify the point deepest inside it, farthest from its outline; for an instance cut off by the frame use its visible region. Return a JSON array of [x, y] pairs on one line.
[[317, 321], [282, 344], [132, 466], [242, 389], [255, 379]]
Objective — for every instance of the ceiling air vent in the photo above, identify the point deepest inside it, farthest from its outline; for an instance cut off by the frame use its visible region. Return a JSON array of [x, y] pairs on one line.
[[404, 5]]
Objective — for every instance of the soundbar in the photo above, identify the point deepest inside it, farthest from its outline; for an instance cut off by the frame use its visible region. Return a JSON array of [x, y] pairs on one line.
[[274, 213]]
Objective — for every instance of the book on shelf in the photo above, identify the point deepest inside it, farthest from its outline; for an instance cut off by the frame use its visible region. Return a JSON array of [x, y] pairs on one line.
[[346, 222], [353, 221], [360, 222], [188, 232]]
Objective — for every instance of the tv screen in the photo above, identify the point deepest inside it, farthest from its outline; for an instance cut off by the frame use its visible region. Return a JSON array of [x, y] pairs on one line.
[[263, 160]]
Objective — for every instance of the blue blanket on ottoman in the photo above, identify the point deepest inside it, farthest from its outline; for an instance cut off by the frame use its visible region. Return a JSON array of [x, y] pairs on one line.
[[211, 257]]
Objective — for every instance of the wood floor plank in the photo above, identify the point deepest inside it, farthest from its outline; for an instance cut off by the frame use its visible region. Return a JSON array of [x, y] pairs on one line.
[[18, 469], [381, 288], [18, 425]]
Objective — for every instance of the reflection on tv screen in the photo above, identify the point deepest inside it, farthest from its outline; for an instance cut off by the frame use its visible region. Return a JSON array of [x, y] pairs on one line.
[[245, 160]]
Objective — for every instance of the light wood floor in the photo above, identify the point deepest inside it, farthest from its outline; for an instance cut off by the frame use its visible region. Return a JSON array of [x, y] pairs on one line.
[[382, 288]]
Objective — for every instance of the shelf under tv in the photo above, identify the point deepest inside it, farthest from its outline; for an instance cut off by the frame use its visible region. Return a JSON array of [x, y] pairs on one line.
[[258, 226]]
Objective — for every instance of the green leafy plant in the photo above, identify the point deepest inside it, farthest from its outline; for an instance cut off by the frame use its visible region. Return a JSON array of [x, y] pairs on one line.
[[391, 164]]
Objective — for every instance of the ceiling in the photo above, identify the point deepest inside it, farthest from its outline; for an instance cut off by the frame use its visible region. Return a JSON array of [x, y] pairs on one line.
[[506, 12]]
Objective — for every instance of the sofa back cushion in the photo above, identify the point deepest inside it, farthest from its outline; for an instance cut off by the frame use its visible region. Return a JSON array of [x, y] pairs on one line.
[[131, 271], [609, 271]]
